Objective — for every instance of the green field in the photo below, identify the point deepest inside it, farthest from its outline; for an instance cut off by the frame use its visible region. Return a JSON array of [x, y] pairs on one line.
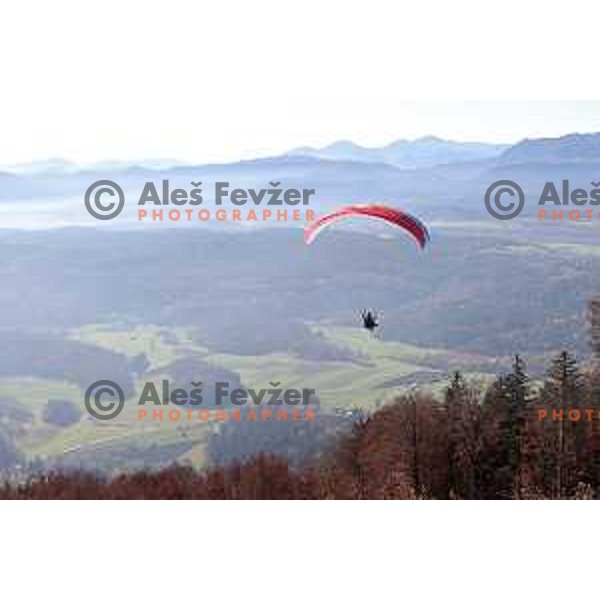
[[378, 374]]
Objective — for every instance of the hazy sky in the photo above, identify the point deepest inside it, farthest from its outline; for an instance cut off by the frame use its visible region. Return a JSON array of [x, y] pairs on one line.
[[218, 81], [192, 137]]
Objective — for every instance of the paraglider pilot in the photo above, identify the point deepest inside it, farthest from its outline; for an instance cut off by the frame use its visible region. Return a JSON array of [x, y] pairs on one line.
[[370, 321]]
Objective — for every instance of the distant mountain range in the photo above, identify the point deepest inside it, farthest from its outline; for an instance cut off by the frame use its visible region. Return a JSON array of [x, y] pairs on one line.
[[436, 179], [60, 166], [420, 153], [573, 147], [432, 151]]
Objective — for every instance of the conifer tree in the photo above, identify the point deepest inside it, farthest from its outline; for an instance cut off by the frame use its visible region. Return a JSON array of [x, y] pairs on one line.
[[462, 419], [564, 391], [503, 427], [519, 397]]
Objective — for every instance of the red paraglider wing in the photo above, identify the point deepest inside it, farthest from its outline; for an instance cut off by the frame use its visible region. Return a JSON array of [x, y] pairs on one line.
[[392, 215]]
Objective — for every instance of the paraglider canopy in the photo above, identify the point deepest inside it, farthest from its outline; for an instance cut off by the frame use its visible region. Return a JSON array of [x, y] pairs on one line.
[[394, 216]]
